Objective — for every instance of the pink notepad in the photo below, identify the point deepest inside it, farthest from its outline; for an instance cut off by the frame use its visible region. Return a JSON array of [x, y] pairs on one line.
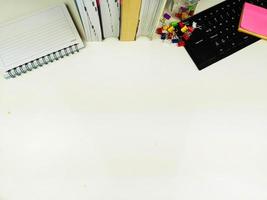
[[254, 20]]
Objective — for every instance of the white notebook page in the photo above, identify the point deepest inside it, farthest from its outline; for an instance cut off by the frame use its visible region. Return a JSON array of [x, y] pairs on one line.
[[37, 35]]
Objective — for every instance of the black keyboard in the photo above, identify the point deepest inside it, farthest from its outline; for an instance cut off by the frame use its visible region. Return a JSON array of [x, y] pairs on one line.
[[218, 36]]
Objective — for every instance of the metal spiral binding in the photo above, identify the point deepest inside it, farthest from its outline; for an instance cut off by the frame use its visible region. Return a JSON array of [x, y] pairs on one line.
[[18, 71]]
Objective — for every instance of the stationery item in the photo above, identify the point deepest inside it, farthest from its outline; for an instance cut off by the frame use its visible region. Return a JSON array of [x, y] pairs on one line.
[[176, 32], [217, 36], [151, 11], [38, 39], [110, 17], [253, 20], [182, 9], [89, 14], [130, 10]]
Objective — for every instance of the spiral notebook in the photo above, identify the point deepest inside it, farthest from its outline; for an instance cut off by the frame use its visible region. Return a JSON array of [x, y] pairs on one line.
[[36, 40]]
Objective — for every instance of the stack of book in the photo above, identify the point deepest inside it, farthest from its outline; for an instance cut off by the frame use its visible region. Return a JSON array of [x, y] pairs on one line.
[[123, 19]]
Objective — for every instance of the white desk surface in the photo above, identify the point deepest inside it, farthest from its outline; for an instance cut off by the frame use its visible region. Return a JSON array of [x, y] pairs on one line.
[[128, 121]]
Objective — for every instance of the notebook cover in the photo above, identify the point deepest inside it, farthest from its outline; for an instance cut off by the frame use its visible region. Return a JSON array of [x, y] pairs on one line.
[[89, 14], [110, 18], [39, 34], [158, 18], [253, 21], [154, 17], [130, 10]]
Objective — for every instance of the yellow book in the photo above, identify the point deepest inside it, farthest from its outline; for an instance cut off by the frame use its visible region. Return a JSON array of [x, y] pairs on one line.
[[130, 10]]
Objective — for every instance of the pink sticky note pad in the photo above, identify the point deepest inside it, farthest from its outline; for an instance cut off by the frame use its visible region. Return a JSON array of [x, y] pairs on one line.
[[254, 19]]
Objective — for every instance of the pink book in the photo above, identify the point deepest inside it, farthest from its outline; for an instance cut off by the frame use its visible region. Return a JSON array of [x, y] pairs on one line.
[[253, 21]]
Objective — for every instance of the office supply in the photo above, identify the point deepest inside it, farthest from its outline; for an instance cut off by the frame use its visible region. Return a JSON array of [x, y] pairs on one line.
[[110, 17], [183, 9], [253, 21], [151, 11], [18, 8], [89, 14], [38, 39], [176, 32], [130, 10], [218, 36], [167, 16]]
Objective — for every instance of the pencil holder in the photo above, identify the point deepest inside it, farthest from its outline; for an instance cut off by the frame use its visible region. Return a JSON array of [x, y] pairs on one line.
[[182, 9]]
